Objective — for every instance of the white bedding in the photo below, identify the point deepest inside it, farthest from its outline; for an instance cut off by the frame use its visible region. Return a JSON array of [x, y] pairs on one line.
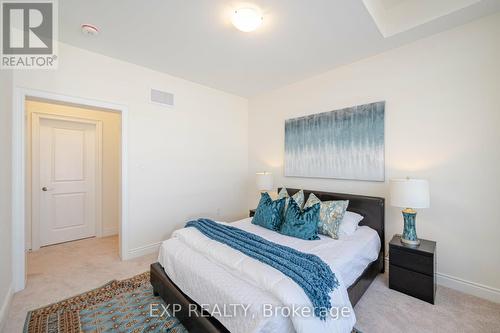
[[213, 278]]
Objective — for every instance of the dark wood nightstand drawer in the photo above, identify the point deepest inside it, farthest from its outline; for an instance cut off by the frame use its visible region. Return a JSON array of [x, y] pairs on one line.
[[412, 261], [412, 283], [412, 269]]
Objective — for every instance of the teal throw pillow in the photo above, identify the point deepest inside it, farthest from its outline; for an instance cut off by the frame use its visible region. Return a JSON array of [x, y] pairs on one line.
[[269, 213], [301, 224]]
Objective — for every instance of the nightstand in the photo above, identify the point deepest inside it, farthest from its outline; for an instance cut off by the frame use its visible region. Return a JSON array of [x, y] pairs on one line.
[[412, 270], [251, 213]]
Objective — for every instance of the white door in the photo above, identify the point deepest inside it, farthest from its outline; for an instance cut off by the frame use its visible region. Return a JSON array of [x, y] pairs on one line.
[[67, 164]]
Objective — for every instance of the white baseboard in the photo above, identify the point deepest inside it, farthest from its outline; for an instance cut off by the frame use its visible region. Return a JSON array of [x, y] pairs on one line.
[[4, 310], [467, 287], [109, 232], [143, 250]]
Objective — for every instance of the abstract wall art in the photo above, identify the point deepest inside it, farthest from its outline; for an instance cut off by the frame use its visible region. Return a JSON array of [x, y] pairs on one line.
[[343, 144]]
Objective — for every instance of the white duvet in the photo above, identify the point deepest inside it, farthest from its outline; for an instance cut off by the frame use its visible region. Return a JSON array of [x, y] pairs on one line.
[[269, 294]]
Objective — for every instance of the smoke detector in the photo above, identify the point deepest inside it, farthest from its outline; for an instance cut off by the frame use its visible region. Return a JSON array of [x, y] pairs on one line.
[[89, 29]]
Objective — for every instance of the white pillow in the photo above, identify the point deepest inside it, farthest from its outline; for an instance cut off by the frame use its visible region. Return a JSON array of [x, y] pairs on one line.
[[349, 223]]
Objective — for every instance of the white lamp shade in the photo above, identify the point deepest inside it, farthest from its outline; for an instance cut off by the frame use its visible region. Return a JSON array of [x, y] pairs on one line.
[[264, 181], [410, 193]]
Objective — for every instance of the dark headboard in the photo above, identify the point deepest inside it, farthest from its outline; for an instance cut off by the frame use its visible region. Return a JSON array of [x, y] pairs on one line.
[[372, 208]]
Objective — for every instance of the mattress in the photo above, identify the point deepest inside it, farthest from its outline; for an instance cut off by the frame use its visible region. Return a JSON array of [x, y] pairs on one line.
[[207, 282]]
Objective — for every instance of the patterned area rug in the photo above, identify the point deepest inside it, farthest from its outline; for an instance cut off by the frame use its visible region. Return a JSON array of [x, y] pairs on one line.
[[119, 306]]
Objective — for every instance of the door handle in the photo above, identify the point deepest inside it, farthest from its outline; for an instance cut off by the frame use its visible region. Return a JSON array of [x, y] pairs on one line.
[[45, 189]]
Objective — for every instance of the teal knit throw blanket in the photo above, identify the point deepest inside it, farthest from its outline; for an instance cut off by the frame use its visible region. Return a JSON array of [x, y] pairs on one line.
[[307, 270]]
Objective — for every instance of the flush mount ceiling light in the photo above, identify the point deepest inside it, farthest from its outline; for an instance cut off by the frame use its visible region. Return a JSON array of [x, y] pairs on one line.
[[246, 19]]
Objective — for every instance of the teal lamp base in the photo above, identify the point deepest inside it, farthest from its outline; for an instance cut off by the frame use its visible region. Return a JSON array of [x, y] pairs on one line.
[[409, 236]]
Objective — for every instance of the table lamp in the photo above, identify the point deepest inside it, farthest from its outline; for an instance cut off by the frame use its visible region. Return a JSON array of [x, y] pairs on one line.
[[409, 194], [264, 181]]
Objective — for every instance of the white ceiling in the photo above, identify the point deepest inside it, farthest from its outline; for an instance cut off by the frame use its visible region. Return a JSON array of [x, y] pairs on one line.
[[194, 40], [395, 16]]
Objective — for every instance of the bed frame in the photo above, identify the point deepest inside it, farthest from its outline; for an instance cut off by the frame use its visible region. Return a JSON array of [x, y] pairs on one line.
[[195, 319]]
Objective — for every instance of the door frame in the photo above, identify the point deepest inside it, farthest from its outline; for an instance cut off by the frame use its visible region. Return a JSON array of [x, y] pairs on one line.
[[36, 117], [19, 172]]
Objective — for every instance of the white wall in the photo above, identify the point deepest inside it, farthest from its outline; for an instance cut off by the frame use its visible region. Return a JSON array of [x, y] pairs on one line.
[[442, 124], [5, 193], [183, 162], [111, 160]]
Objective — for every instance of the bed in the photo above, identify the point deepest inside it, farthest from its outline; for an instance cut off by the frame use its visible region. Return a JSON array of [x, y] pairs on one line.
[[357, 258]]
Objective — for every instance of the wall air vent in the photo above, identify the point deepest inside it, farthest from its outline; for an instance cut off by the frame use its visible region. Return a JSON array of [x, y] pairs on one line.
[[162, 98]]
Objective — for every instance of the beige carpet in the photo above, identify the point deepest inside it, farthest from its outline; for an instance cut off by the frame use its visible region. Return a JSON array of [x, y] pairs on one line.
[[61, 271], [384, 310]]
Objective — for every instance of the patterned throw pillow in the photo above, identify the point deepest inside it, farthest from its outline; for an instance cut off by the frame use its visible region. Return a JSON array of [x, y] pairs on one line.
[[330, 215], [301, 224], [269, 213], [298, 197]]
